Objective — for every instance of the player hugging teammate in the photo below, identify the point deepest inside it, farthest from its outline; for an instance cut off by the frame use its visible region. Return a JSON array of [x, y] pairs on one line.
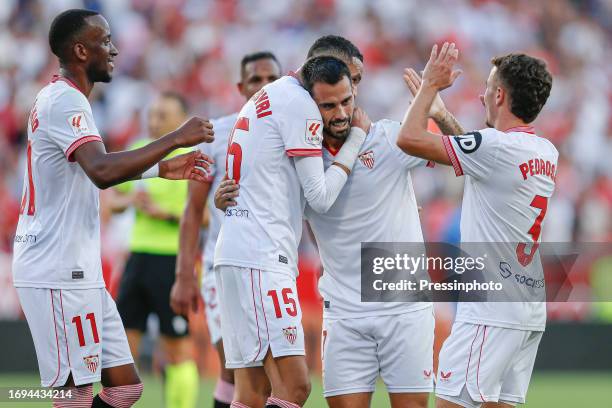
[[360, 341], [298, 149]]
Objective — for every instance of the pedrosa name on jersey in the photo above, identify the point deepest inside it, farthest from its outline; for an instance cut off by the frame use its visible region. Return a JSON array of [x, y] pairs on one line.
[[536, 167]]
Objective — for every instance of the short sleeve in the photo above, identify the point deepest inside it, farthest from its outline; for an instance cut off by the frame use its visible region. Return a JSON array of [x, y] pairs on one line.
[[302, 127], [474, 153], [390, 130], [71, 122]]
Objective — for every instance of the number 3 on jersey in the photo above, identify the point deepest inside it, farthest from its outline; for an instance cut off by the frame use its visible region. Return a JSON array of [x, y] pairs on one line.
[[233, 160], [524, 258]]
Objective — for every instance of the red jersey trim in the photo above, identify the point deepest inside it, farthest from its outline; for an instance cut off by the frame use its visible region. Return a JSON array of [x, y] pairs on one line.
[[522, 129], [68, 81], [304, 152], [430, 164], [452, 156], [330, 149], [80, 142]]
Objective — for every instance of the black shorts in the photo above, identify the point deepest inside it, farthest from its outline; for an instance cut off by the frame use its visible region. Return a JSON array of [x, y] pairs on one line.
[[145, 288]]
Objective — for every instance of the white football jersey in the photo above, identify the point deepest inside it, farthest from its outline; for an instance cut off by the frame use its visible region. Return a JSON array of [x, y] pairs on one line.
[[217, 150], [263, 231], [57, 243], [377, 204], [510, 177]]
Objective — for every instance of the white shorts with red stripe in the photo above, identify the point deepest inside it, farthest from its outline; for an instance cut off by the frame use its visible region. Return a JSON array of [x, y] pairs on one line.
[[260, 310], [480, 363], [76, 331], [398, 348], [211, 305]]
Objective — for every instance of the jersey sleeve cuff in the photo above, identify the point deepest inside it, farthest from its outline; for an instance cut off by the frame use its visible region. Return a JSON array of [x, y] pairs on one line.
[[80, 142], [304, 152], [452, 156]]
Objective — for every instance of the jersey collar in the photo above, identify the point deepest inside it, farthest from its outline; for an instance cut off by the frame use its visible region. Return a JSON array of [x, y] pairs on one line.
[[330, 149], [56, 78], [522, 129]]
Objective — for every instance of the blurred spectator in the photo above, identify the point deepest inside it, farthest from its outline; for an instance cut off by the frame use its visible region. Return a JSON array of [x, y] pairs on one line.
[[192, 46]]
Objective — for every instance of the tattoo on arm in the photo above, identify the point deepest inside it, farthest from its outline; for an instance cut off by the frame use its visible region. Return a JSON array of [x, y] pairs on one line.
[[449, 125]]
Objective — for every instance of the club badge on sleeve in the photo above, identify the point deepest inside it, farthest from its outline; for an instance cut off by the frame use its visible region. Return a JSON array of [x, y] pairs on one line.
[[314, 132], [78, 124]]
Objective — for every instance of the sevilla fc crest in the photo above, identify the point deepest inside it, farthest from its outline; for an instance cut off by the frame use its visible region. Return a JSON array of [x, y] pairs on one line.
[[290, 334], [92, 362], [367, 159]]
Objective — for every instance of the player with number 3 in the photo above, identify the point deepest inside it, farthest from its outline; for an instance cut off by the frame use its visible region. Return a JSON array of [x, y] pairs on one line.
[[509, 177]]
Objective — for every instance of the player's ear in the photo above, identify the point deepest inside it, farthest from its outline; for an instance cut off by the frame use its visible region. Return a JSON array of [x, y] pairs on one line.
[[240, 87], [80, 51], [500, 96]]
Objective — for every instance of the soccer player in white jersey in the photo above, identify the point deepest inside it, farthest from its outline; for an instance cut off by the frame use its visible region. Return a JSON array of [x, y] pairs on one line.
[[275, 157], [510, 176], [256, 70], [77, 332], [362, 339]]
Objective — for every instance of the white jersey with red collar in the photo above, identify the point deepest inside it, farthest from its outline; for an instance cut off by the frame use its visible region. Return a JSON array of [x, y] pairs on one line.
[[377, 204], [510, 177], [262, 232], [57, 243]]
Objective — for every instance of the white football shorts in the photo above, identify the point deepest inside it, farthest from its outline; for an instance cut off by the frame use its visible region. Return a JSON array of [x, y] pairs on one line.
[[398, 347], [76, 331], [260, 310], [211, 305], [481, 363]]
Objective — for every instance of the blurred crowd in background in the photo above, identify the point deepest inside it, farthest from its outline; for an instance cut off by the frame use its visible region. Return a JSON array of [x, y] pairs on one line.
[[195, 46]]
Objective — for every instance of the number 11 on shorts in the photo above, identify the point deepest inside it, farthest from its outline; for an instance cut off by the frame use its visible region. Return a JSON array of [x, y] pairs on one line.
[[79, 327]]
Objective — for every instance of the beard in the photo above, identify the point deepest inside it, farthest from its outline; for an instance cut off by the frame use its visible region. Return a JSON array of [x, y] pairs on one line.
[[340, 135], [95, 74]]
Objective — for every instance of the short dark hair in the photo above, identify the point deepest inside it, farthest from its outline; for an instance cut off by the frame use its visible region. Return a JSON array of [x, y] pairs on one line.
[[256, 56], [335, 45], [326, 69], [527, 81], [177, 97], [65, 27]]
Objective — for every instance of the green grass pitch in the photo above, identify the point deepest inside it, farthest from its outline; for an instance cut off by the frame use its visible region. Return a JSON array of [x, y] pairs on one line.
[[554, 390]]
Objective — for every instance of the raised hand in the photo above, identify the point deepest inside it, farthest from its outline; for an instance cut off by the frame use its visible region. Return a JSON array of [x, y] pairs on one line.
[[413, 80], [194, 131], [361, 120], [439, 73], [188, 166]]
